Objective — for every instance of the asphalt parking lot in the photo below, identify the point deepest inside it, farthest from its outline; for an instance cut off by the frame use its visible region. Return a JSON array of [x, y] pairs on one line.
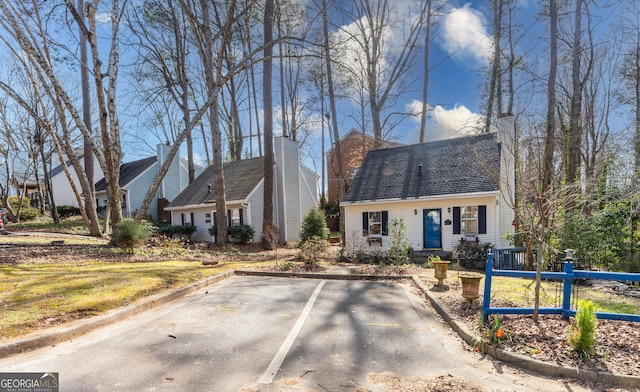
[[271, 334]]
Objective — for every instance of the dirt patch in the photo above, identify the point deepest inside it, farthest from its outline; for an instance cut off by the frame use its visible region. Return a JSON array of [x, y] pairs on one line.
[[445, 383]]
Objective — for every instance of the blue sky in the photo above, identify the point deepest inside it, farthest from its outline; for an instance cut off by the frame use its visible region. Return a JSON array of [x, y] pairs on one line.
[[460, 48]]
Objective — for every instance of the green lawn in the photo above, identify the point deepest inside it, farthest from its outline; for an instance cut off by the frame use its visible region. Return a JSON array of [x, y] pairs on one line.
[[520, 292], [34, 296]]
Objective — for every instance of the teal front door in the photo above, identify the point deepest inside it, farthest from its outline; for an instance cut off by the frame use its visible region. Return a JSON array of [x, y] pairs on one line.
[[432, 221]]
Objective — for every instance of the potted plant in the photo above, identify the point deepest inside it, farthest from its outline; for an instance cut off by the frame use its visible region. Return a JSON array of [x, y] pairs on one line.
[[440, 268], [470, 285]]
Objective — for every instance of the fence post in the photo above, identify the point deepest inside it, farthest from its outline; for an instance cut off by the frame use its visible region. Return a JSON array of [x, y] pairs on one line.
[[566, 289], [488, 268]]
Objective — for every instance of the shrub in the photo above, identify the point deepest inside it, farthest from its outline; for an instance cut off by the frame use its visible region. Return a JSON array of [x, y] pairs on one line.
[[15, 201], [582, 336], [471, 254], [399, 248], [67, 211], [172, 231], [313, 224], [312, 250], [243, 234], [27, 213], [131, 233]]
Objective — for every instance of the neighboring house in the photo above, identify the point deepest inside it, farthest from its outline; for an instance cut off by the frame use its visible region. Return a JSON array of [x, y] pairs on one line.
[[62, 192], [295, 193], [136, 178], [26, 185], [354, 146], [445, 191]]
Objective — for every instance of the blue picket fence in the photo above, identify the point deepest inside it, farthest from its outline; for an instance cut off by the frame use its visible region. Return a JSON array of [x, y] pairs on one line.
[[567, 278]]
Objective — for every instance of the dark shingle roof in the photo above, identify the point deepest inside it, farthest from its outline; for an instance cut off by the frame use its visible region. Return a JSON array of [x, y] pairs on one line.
[[58, 169], [454, 166], [128, 172], [241, 177]]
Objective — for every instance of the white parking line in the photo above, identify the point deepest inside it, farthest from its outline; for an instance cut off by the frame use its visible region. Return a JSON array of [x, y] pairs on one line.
[[270, 373]]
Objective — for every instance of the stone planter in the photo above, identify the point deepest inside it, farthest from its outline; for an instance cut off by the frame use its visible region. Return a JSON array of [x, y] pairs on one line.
[[471, 285], [440, 268]]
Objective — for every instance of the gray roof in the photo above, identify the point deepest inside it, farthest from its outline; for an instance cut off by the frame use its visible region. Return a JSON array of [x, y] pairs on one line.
[[241, 177], [59, 169], [128, 172], [453, 166]]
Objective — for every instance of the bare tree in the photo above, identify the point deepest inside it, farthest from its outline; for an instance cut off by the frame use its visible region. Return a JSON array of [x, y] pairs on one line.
[[268, 227], [385, 47], [425, 83], [628, 27], [332, 99], [543, 201], [495, 85], [31, 40], [89, 169]]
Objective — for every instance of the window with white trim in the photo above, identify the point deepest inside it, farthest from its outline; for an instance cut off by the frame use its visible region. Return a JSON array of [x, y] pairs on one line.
[[234, 217], [469, 219], [374, 226]]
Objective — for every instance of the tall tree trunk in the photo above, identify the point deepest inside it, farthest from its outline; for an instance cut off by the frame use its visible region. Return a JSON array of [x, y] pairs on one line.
[[89, 169], [269, 234], [636, 85], [575, 127], [425, 84], [213, 76], [332, 101], [494, 86], [547, 174], [281, 71]]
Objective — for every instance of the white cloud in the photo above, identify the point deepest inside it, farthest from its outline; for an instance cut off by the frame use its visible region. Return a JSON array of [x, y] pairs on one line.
[[446, 123], [464, 35], [351, 52]]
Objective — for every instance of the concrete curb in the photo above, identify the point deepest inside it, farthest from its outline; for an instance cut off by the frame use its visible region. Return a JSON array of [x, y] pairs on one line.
[[312, 275], [57, 335], [522, 361]]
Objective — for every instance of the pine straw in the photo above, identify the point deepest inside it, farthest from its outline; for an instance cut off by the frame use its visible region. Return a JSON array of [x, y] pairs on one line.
[[617, 348]]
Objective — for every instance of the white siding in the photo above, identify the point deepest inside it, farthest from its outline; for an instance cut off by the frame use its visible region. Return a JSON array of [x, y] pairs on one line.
[[412, 213], [138, 188], [199, 220], [62, 193], [308, 191], [255, 203], [287, 185]]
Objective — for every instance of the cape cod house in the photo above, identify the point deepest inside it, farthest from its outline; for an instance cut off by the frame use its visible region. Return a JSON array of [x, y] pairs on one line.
[[445, 191], [136, 178], [295, 193]]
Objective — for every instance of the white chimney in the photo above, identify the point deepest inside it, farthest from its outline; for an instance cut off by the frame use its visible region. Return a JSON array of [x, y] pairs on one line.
[[506, 132]]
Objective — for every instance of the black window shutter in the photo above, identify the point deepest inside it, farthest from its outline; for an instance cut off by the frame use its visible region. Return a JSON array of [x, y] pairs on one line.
[[456, 220], [215, 219], [193, 219], [241, 220], [182, 219], [385, 222], [482, 219], [365, 223], [229, 218]]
